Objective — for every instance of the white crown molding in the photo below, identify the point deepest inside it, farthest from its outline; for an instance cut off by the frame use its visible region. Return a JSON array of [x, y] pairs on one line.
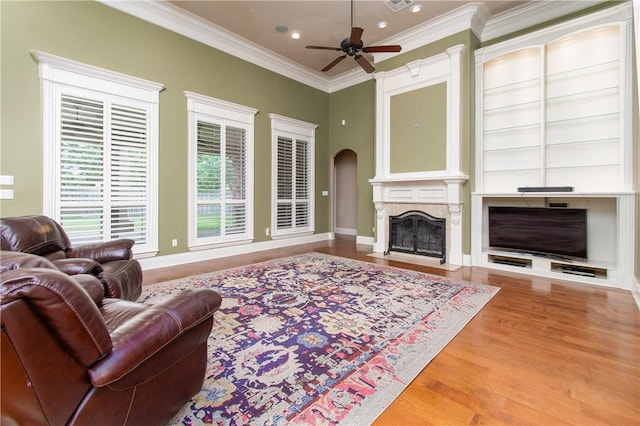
[[347, 79], [474, 16], [470, 16], [173, 18], [530, 14]]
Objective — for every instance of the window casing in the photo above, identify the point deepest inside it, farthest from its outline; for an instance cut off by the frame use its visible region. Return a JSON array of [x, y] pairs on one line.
[[220, 172], [100, 153], [293, 147]]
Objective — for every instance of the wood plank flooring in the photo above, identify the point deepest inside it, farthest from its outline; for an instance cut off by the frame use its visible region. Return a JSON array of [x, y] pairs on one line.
[[541, 352]]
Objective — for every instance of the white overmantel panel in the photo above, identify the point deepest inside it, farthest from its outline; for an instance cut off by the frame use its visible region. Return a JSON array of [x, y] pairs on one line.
[[428, 187], [441, 68]]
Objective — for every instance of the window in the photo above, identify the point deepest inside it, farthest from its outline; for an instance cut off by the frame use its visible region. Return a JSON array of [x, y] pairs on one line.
[[220, 170], [100, 153], [293, 144]]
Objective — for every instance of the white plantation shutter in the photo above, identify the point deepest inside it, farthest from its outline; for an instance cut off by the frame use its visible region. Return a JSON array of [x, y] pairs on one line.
[[129, 173], [100, 143], [104, 165], [235, 180], [82, 175], [220, 164], [293, 142], [208, 179], [302, 183], [292, 184], [221, 212], [284, 214]]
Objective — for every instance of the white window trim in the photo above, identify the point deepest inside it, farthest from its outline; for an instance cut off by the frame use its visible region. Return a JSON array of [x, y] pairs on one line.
[[56, 71], [226, 113], [281, 125]]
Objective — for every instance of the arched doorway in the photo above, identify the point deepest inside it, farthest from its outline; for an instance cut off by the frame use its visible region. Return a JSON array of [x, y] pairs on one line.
[[345, 193]]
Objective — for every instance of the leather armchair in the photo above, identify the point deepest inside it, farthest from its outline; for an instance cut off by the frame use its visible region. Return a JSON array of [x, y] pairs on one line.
[[68, 359], [111, 262]]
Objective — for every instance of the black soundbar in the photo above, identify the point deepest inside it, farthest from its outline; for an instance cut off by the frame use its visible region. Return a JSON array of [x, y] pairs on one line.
[[545, 189]]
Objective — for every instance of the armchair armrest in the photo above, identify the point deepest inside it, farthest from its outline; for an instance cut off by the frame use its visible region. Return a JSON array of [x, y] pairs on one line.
[[78, 265], [10, 260], [151, 330], [105, 252]]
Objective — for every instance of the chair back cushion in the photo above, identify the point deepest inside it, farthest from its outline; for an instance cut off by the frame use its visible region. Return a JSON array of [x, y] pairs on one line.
[[39, 235], [64, 306]]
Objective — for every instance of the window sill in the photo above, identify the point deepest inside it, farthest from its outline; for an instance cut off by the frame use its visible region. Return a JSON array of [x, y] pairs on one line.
[[282, 236], [207, 246]]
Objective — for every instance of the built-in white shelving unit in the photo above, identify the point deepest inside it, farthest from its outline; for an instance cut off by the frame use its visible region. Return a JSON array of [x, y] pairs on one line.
[[554, 109]]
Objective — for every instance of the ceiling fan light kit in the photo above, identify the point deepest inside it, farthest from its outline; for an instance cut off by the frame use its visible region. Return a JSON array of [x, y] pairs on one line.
[[354, 46]]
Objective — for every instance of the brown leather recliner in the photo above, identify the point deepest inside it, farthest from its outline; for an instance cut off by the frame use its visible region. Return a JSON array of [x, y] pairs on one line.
[[68, 359], [110, 261]]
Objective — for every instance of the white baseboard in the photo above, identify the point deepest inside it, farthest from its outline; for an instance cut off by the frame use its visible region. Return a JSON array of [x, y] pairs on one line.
[[346, 231], [367, 241], [200, 255], [635, 290]]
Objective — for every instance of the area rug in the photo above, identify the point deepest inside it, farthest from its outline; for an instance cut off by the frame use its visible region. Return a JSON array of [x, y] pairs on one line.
[[318, 339]]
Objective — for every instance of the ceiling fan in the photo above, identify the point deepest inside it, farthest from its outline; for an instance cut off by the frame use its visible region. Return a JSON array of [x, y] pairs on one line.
[[354, 46]]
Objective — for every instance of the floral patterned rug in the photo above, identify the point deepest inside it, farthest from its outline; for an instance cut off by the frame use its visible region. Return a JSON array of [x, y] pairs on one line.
[[318, 339]]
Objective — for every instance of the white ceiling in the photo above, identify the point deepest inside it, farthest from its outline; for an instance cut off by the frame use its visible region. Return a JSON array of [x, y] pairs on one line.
[[324, 23]]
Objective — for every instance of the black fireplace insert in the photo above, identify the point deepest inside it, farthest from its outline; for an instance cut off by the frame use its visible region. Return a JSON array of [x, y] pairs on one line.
[[417, 232]]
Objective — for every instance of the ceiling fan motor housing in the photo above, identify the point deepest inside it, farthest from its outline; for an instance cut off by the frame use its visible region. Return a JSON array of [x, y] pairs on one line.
[[351, 49]]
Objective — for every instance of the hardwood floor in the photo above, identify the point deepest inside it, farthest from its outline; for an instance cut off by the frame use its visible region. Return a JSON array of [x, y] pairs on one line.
[[541, 352]]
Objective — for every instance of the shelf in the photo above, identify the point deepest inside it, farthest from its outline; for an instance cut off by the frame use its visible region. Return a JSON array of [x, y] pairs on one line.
[[553, 194], [578, 270], [513, 107], [512, 128], [517, 85], [604, 91], [578, 120], [584, 71], [510, 261], [584, 142]]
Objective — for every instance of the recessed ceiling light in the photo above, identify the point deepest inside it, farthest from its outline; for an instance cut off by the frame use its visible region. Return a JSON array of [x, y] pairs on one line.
[[295, 35], [382, 24], [416, 8]]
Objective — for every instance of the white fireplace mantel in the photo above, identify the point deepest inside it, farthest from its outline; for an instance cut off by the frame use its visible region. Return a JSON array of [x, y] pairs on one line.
[[439, 187]]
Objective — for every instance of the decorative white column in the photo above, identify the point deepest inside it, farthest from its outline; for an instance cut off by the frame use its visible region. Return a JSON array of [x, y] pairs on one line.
[[379, 246]]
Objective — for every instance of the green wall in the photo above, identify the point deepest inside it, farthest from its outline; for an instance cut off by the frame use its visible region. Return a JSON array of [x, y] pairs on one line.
[[356, 105], [99, 35], [419, 130]]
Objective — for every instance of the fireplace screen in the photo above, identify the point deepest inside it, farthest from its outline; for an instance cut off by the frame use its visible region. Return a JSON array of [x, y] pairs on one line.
[[417, 232]]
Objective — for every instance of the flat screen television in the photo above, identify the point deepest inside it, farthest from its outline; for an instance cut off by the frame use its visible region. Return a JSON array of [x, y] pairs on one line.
[[547, 231]]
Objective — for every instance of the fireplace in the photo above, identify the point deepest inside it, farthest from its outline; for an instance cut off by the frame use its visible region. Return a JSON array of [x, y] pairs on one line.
[[417, 232]]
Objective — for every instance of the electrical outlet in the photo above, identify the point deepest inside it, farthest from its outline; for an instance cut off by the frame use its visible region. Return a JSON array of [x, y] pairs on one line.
[[174, 243], [266, 232]]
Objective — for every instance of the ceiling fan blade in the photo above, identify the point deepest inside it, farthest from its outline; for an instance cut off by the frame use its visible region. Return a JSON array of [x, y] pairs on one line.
[[364, 63], [356, 35], [323, 48], [332, 64], [375, 49]]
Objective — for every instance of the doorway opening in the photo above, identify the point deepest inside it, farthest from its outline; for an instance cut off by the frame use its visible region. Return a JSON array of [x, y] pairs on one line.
[[345, 193]]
